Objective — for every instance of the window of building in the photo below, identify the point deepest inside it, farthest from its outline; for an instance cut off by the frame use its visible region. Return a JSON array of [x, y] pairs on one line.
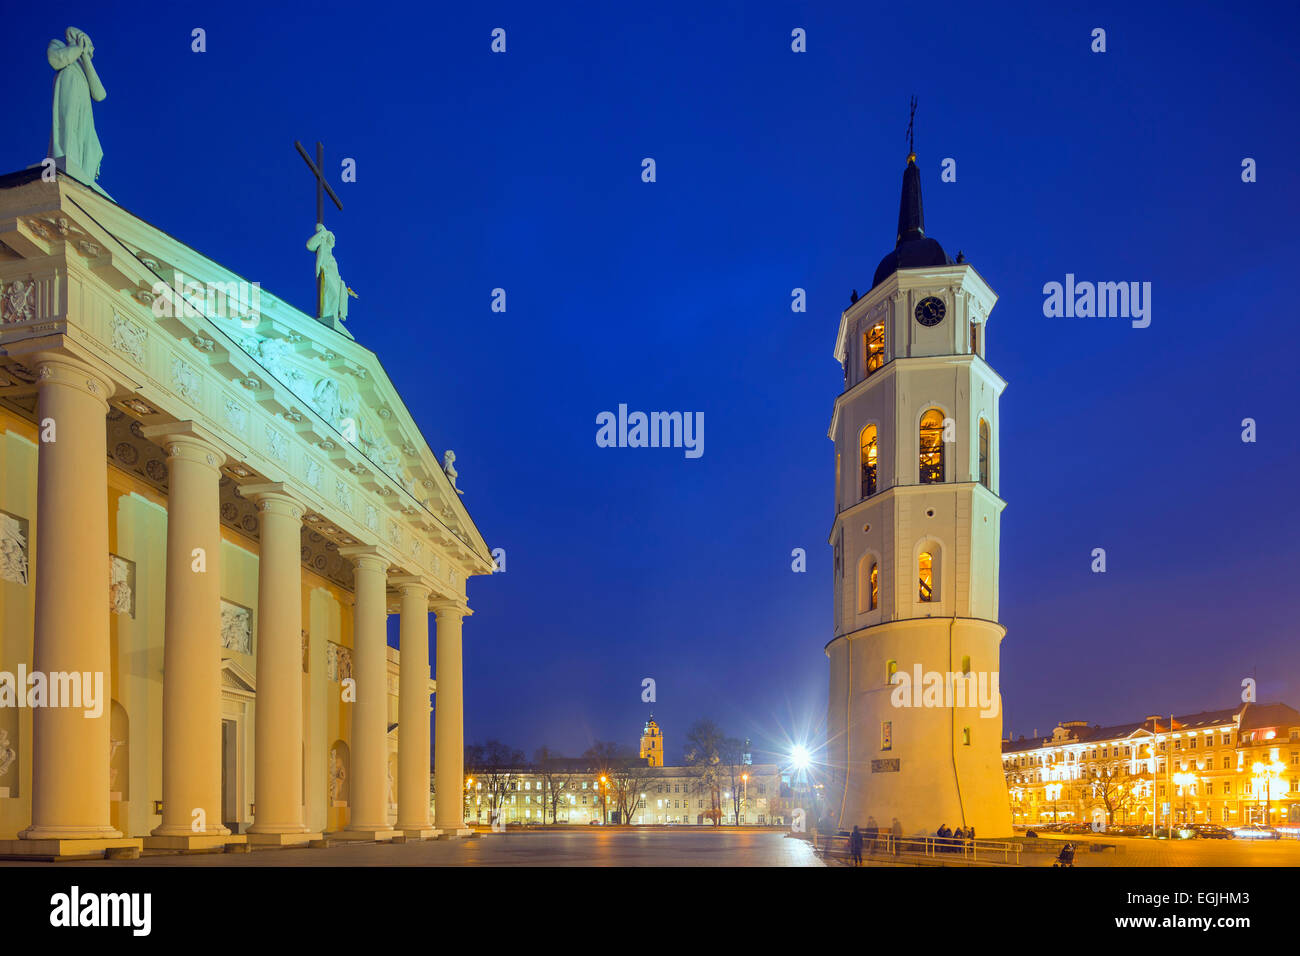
[[874, 347], [870, 454], [984, 454], [891, 668], [965, 664], [965, 736], [931, 459], [974, 338], [925, 571], [875, 595]]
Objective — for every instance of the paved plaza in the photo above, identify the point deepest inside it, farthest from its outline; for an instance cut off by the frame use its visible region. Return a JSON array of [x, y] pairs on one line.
[[592, 846], [580, 846]]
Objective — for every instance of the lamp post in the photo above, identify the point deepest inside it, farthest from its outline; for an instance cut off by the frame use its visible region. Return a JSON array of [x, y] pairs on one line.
[[744, 793], [604, 802], [1265, 774]]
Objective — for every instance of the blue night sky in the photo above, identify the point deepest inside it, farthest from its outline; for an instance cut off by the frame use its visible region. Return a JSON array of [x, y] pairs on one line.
[[775, 170]]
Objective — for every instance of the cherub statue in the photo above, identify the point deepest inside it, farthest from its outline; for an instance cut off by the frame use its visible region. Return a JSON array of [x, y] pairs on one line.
[[335, 292], [449, 469], [73, 134]]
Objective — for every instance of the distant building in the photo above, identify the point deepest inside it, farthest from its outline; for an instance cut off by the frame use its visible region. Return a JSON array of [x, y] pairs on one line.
[[1232, 767], [571, 790], [652, 744]]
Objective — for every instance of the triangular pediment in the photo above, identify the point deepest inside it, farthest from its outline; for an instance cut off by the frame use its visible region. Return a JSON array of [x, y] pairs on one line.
[[329, 389], [236, 678]]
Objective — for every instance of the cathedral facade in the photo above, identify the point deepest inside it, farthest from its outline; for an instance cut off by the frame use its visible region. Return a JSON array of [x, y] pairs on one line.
[[915, 721], [210, 502]]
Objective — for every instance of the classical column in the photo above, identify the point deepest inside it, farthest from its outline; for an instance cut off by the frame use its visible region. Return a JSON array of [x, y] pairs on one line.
[[449, 724], [369, 788], [413, 713], [278, 757], [191, 703], [70, 748]]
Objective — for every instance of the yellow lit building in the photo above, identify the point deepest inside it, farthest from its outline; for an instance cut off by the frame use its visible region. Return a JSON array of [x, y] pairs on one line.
[[579, 791], [1230, 767], [652, 744]]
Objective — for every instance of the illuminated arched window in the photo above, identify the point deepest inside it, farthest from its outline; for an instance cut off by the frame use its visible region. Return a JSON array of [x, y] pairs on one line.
[[874, 347], [870, 454], [875, 586], [925, 571], [932, 447], [891, 668], [984, 454], [866, 584]]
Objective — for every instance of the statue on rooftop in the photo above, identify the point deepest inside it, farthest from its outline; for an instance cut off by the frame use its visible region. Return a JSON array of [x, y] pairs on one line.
[[73, 137], [335, 292]]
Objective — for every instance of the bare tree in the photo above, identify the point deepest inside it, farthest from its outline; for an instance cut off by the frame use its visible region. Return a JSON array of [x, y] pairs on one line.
[[496, 766], [731, 772], [628, 777], [1109, 790], [704, 743], [555, 781]]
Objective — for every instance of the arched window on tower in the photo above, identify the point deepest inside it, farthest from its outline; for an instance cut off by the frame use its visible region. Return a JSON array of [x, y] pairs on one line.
[[870, 453], [873, 347], [974, 338], [875, 586], [932, 447], [925, 571], [984, 454]]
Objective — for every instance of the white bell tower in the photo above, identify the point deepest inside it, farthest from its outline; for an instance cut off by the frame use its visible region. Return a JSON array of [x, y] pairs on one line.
[[915, 542]]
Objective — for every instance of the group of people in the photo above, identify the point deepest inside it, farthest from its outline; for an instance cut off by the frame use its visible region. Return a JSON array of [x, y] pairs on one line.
[[951, 841], [948, 841]]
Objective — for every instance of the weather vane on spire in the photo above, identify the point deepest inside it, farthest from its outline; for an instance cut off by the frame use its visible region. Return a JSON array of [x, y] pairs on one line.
[[911, 119]]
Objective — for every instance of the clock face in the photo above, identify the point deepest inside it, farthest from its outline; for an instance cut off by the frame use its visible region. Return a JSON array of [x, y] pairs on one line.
[[930, 311]]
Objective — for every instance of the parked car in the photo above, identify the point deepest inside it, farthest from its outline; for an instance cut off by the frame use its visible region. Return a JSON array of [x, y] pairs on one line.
[[1257, 831], [1212, 831]]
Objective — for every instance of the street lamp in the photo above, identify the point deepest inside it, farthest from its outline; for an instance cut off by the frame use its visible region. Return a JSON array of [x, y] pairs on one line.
[[1265, 774], [604, 801], [744, 796], [799, 757]]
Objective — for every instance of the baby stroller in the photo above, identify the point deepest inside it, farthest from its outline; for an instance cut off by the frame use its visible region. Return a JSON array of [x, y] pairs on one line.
[[1067, 856]]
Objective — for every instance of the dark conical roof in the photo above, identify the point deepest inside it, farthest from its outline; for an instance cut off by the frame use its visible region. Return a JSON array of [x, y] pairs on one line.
[[912, 249]]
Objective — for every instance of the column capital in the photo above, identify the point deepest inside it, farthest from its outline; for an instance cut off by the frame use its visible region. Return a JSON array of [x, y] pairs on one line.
[[451, 607], [55, 368], [366, 556], [275, 497], [190, 441], [411, 583]]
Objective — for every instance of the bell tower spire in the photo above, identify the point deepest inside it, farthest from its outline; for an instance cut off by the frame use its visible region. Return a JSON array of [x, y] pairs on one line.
[[911, 215]]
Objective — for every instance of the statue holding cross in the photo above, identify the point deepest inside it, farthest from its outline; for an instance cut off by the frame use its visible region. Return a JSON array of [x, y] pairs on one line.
[[332, 292]]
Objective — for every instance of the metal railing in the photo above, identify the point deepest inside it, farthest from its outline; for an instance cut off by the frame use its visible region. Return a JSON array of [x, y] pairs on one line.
[[933, 849]]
